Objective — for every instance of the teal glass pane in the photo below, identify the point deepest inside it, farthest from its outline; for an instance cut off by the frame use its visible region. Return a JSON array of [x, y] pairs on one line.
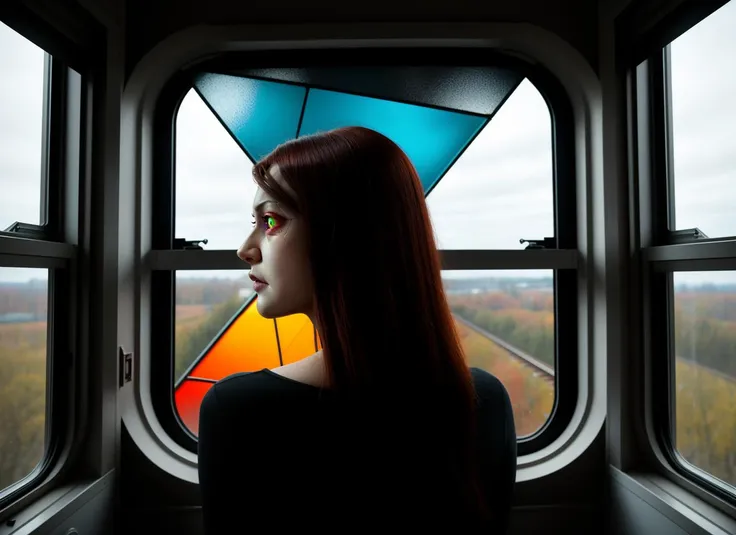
[[432, 138], [259, 114]]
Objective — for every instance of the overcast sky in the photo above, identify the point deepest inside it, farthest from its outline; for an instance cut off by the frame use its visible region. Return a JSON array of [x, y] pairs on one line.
[[498, 192]]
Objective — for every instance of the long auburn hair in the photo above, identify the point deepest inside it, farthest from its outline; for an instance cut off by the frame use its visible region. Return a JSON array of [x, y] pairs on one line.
[[381, 311]]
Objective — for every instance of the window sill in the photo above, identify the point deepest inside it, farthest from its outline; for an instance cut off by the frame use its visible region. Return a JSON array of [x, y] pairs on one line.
[[689, 512], [55, 507]]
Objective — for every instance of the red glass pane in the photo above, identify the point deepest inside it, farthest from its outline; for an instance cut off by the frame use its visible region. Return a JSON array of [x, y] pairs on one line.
[[188, 398]]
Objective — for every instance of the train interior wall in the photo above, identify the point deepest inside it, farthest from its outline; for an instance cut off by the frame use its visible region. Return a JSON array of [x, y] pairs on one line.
[[584, 497]]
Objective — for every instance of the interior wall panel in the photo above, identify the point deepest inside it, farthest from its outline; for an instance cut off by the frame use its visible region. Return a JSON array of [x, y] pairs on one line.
[[148, 23]]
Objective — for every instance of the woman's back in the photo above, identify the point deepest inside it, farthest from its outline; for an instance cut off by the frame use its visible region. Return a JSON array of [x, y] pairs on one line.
[[276, 452], [341, 233]]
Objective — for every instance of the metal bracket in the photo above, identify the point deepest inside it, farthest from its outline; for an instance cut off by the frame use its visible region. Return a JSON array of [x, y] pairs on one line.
[[183, 243], [687, 235], [125, 361], [546, 243]]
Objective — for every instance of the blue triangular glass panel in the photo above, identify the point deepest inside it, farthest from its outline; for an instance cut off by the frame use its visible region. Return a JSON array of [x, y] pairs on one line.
[[259, 114], [432, 138]]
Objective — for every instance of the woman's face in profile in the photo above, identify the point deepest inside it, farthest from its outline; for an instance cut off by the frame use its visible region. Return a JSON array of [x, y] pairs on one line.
[[277, 253]]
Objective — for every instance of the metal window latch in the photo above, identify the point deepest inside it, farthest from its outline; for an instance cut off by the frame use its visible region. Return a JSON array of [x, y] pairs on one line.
[[26, 230], [687, 235], [125, 374], [546, 243], [183, 243]]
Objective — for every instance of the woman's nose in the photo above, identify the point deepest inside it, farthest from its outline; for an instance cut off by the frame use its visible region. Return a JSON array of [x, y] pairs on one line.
[[250, 255]]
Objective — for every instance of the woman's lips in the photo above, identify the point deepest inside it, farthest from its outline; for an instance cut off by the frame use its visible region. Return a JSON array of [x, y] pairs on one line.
[[258, 284]]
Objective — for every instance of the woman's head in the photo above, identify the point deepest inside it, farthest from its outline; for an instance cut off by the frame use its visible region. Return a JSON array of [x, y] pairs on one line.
[[337, 211], [345, 237]]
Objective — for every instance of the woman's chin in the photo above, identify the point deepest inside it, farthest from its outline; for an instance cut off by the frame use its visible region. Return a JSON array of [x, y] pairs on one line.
[[264, 310], [269, 310]]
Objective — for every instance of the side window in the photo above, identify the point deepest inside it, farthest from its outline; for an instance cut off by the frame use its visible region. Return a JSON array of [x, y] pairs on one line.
[[23, 292], [22, 106], [703, 113], [23, 353], [692, 265], [705, 371], [39, 104], [491, 168], [703, 306]]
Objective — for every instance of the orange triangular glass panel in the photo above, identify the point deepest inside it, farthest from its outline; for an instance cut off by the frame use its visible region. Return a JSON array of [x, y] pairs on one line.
[[248, 344]]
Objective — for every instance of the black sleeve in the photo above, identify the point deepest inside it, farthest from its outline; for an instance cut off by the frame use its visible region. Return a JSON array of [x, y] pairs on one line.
[[239, 432], [498, 446], [212, 467]]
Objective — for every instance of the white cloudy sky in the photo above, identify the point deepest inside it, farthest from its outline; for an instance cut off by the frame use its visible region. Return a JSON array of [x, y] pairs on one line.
[[498, 192]]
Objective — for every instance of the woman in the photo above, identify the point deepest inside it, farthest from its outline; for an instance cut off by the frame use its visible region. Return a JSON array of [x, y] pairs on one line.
[[386, 426]]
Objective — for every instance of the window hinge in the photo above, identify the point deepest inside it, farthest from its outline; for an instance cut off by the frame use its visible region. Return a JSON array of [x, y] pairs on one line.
[[546, 243], [125, 367], [687, 235], [183, 243], [26, 230]]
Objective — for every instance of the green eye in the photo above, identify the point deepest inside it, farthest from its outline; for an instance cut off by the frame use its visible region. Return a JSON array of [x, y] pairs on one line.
[[271, 222]]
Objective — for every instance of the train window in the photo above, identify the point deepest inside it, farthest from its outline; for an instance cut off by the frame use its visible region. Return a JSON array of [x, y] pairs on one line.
[[686, 173], [489, 145], [23, 335], [504, 179], [22, 106], [705, 371], [41, 129], [703, 114]]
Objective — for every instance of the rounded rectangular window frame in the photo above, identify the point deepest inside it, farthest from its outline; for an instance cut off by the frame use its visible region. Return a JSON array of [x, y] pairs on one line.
[[563, 258]]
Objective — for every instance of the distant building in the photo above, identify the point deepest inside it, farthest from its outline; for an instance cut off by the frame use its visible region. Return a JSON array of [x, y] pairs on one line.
[[18, 317]]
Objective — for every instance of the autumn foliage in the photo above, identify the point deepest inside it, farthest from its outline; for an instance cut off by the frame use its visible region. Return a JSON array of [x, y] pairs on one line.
[[525, 320], [22, 399], [705, 433]]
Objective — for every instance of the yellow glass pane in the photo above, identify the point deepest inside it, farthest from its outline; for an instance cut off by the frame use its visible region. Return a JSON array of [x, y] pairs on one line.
[[296, 336]]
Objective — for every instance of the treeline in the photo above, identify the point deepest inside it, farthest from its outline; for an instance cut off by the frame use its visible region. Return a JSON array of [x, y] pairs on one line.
[[22, 399], [705, 324], [24, 298], [531, 396], [525, 321], [208, 291], [705, 329], [705, 420], [193, 335], [705, 402]]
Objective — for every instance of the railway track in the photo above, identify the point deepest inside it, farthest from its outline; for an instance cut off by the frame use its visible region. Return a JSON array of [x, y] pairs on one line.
[[543, 370]]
